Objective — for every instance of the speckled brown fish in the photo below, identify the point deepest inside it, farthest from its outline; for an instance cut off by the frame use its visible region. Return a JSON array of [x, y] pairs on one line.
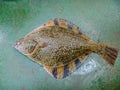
[[60, 47]]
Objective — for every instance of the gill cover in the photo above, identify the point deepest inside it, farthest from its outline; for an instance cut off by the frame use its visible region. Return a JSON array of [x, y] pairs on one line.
[[25, 46]]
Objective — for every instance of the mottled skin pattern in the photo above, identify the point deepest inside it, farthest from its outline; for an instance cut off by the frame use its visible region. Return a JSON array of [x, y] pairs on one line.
[[57, 46], [60, 47]]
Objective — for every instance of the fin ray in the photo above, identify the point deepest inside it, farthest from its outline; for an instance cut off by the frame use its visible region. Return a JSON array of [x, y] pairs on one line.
[[66, 25], [108, 53], [66, 70]]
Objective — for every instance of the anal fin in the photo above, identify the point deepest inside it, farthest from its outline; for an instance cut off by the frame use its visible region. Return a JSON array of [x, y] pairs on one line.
[[66, 70]]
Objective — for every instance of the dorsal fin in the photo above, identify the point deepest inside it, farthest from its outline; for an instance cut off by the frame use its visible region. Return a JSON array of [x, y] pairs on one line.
[[64, 24], [64, 71], [67, 25]]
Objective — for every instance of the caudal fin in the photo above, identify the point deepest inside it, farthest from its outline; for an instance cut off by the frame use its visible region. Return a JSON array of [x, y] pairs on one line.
[[109, 53]]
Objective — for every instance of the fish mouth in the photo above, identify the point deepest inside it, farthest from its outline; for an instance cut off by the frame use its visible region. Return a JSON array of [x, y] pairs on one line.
[[16, 44]]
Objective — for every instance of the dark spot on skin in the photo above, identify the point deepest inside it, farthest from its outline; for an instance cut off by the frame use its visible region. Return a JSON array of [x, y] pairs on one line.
[[86, 53]]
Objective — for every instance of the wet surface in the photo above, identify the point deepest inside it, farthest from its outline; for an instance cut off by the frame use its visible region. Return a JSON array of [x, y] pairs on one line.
[[99, 19]]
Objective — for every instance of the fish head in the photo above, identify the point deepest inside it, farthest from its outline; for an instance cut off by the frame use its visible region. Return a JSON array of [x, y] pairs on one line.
[[25, 46]]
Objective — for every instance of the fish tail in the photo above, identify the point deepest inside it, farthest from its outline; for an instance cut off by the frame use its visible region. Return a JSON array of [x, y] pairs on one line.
[[109, 53]]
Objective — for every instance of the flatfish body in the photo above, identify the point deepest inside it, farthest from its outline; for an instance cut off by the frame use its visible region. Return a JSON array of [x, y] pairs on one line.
[[60, 47]]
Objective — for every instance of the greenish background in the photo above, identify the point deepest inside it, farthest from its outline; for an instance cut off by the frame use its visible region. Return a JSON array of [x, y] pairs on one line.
[[99, 19]]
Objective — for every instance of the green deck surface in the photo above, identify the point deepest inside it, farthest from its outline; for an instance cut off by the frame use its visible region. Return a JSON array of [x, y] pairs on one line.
[[99, 19]]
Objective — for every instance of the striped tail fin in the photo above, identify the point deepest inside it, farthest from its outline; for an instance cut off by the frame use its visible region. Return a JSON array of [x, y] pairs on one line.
[[66, 70], [108, 53]]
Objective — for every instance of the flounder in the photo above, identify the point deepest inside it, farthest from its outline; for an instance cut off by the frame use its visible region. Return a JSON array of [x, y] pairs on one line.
[[60, 47]]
